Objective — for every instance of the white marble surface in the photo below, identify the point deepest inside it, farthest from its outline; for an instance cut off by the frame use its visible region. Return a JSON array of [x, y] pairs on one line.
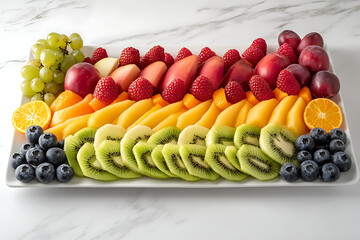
[[261, 213]]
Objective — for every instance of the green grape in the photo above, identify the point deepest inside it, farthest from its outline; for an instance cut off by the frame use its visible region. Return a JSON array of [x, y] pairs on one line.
[[76, 43], [46, 75], [78, 55], [67, 62], [47, 58], [26, 88], [34, 62], [74, 35], [59, 56], [54, 40], [49, 98], [37, 96], [59, 77], [29, 72], [44, 43], [65, 38], [52, 87], [37, 85], [54, 67], [37, 49]]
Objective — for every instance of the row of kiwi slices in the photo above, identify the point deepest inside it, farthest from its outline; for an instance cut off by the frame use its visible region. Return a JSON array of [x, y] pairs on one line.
[[111, 153]]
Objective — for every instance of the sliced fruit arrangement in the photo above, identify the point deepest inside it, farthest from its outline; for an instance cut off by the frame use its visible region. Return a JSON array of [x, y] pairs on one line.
[[192, 117], [195, 153]]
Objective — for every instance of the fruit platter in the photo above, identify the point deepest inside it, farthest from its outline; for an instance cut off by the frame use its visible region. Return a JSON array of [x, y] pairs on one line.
[[253, 115]]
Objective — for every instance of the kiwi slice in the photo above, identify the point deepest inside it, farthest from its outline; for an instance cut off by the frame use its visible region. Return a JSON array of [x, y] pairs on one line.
[[90, 166], [278, 142], [247, 134], [220, 135], [171, 153], [160, 162], [193, 134], [256, 163], [132, 137], [109, 156], [230, 153], [165, 135], [218, 161], [74, 143], [193, 157], [142, 152], [86, 134], [109, 132], [71, 148]]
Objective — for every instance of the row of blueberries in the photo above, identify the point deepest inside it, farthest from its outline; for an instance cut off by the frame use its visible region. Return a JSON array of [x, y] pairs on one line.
[[320, 154], [42, 157]]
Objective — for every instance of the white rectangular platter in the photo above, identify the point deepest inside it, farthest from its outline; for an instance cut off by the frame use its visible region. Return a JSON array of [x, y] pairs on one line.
[[347, 178]]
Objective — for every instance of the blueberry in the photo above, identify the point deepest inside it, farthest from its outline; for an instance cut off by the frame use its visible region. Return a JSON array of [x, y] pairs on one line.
[[33, 133], [16, 160], [305, 143], [35, 156], [25, 173], [309, 170], [319, 135], [289, 172], [45, 172], [25, 147], [330, 172], [303, 156], [61, 144], [322, 156], [322, 146], [56, 156], [336, 145], [47, 140], [342, 160], [64, 173], [337, 133]]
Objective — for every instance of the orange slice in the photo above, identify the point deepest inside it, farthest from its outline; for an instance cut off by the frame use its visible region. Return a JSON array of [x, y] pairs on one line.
[[66, 99], [323, 113], [219, 98], [157, 99], [31, 113], [190, 101]]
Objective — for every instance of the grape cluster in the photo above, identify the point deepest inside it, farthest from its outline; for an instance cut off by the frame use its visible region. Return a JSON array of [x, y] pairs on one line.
[[45, 74]]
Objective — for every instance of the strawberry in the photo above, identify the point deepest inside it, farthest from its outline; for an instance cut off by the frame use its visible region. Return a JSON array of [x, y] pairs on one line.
[[106, 90], [234, 92], [287, 82], [140, 89], [260, 88], [253, 55], [99, 54], [129, 55], [168, 60], [183, 53], [144, 61], [260, 43], [202, 88], [155, 54], [204, 55], [287, 51], [175, 91], [230, 57], [88, 60]]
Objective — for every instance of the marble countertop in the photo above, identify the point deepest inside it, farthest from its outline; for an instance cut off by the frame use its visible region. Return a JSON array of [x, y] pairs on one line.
[[247, 213]]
